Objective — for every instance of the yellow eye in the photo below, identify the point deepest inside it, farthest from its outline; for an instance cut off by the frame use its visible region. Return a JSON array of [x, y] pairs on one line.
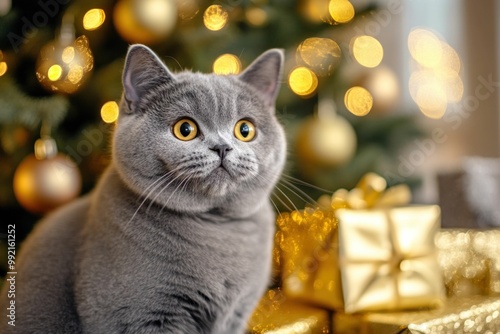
[[244, 130], [185, 129]]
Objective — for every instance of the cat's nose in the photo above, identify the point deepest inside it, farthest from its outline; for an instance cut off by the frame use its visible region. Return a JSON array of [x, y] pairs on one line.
[[222, 149]]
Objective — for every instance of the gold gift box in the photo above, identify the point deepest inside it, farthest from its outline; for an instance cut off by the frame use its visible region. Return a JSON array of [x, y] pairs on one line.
[[470, 261], [388, 258], [278, 314], [362, 253], [459, 315]]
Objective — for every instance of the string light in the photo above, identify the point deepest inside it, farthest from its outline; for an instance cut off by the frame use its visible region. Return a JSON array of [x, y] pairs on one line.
[[358, 101], [303, 81], [215, 17], [227, 64], [341, 11], [110, 112], [367, 51], [93, 19]]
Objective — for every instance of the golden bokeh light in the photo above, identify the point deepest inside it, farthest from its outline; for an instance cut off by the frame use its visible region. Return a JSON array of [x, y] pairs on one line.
[[425, 47], [322, 55], [303, 81], [110, 112], [367, 51], [215, 17], [93, 19], [157, 16], [3, 68], [315, 10], [75, 74], [187, 9], [341, 11], [428, 93], [358, 101], [54, 72], [256, 16], [68, 54], [227, 64]]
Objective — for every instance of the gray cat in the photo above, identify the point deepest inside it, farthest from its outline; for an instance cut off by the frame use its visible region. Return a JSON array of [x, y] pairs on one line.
[[177, 235]]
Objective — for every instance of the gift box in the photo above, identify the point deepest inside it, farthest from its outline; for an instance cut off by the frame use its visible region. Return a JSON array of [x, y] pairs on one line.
[[362, 253], [478, 314], [470, 261], [388, 258], [277, 313]]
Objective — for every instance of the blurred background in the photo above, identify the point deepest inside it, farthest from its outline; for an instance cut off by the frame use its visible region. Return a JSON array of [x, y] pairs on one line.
[[404, 89]]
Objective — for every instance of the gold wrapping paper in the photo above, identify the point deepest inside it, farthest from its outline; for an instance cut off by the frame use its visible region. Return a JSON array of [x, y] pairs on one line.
[[459, 315], [470, 261], [308, 244], [388, 258], [277, 314]]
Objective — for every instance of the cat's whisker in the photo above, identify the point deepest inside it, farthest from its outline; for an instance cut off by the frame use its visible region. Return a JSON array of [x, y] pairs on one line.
[[158, 183], [162, 189], [288, 198], [282, 202], [185, 181], [304, 183], [298, 192]]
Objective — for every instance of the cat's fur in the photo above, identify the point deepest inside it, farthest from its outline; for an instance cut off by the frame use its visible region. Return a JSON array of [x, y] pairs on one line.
[[145, 252]]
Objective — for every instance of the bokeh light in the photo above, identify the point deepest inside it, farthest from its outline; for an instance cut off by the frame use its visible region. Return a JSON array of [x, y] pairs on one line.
[[435, 81], [367, 51], [322, 55], [358, 101], [54, 72], [215, 17], [187, 9], [93, 19], [110, 112], [303, 81], [227, 64], [425, 47], [256, 16], [341, 11], [68, 54], [3, 68]]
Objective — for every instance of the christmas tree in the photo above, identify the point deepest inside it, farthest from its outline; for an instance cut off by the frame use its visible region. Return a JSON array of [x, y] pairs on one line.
[[60, 81]]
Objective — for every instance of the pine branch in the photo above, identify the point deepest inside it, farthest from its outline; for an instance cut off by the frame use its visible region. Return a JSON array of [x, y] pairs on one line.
[[16, 107]]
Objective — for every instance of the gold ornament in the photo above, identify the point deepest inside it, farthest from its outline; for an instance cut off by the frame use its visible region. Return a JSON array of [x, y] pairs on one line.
[[328, 141], [46, 179], [65, 64], [131, 20]]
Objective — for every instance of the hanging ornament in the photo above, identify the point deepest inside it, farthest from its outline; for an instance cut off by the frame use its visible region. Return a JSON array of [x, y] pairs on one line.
[[327, 139], [383, 84], [146, 21], [46, 179], [65, 63]]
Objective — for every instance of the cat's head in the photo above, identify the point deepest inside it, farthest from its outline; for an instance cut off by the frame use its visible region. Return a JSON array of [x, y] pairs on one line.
[[196, 142]]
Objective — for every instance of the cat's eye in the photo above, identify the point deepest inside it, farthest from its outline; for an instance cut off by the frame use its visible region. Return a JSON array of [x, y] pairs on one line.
[[185, 129], [244, 130]]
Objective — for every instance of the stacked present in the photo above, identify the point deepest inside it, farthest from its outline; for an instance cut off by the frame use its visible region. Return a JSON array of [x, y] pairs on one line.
[[367, 262]]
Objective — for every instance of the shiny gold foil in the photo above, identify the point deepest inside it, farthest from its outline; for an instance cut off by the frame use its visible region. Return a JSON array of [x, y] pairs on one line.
[[388, 258], [470, 261], [278, 314], [459, 315], [308, 244]]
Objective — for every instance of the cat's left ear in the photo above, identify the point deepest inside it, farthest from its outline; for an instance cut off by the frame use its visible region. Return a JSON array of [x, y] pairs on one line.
[[264, 74], [142, 72]]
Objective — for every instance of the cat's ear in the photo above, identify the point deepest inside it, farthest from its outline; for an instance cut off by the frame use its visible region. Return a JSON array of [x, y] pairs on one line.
[[264, 74], [143, 71]]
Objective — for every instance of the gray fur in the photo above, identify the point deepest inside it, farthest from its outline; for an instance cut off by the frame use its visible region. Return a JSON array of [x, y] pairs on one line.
[[168, 242]]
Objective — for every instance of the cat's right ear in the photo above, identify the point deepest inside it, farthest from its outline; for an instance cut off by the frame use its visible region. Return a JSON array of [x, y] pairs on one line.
[[143, 71]]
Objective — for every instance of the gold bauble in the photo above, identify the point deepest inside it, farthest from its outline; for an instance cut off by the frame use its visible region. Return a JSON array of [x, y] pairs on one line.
[[127, 19], [326, 142], [383, 84], [43, 185]]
